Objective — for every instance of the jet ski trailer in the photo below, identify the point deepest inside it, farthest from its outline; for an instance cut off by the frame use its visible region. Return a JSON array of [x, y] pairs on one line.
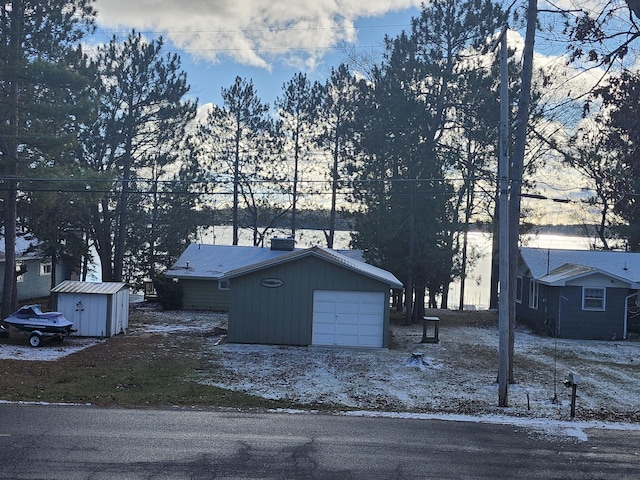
[[39, 324]]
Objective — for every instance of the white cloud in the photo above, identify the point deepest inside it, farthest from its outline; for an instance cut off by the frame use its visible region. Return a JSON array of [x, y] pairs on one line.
[[249, 32]]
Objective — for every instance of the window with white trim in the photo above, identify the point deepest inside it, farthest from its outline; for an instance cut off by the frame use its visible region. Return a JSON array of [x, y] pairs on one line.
[[519, 289], [594, 298], [223, 285], [45, 268], [534, 287], [19, 265]]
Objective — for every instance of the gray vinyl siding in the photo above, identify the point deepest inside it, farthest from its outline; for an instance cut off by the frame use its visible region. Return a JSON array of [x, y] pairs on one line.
[[585, 324], [284, 315], [204, 295], [563, 306], [34, 285]]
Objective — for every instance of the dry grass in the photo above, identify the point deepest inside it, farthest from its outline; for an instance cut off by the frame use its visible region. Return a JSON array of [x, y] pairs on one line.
[[177, 358]]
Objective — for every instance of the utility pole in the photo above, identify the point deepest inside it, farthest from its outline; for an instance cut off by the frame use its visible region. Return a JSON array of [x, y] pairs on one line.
[[503, 172]]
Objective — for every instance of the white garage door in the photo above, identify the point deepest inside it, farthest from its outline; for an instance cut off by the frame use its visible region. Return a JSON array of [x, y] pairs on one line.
[[348, 318]]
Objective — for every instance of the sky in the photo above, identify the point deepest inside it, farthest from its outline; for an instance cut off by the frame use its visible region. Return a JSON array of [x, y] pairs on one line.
[[271, 40], [266, 41]]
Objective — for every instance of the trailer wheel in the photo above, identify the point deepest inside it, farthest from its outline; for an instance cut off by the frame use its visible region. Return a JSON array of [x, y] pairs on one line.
[[34, 339]]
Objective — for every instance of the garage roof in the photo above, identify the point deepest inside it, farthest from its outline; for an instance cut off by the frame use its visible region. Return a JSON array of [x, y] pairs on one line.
[[325, 254]]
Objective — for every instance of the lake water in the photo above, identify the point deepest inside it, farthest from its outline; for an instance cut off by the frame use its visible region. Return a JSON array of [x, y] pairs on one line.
[[477, 286]]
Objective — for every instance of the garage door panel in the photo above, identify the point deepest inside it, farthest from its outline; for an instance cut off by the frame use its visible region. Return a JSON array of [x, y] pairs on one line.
[[348, 318], [368, 330], [369, 308], [323, 339], [369, 320], [325, 317], [325, 328], [343, 307]]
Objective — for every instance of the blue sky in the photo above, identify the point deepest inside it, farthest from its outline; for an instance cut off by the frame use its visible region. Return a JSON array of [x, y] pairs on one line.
[[267, 41]]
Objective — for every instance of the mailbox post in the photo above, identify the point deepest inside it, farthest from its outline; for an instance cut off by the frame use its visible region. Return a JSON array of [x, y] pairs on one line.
[[573, 379]]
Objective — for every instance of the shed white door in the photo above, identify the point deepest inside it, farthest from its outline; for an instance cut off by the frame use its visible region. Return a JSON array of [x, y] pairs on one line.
[[348, 318]]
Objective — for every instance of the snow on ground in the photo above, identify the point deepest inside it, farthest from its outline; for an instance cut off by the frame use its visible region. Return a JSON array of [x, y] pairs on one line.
[[454, 379], [50, 351], [455, 376]]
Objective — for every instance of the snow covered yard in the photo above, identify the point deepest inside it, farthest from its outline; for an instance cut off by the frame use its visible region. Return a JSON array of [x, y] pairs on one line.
[[455, 377]]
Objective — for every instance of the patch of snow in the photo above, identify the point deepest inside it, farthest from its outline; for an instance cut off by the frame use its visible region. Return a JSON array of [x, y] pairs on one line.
[[49, 351]]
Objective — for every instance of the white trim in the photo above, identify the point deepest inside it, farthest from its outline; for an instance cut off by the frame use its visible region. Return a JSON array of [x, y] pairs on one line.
[[534, 293], [594, 299], [224, 284], [46, 267]]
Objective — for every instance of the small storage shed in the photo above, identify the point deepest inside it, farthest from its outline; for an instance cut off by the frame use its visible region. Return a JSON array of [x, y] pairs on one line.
[[311, 297], [97, 309]]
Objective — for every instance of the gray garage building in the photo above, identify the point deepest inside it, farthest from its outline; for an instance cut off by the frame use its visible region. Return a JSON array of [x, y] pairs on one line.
[[313, 296]]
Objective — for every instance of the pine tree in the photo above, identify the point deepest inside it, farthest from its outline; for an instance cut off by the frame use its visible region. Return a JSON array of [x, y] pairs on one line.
[[37, 112], [142, 113]]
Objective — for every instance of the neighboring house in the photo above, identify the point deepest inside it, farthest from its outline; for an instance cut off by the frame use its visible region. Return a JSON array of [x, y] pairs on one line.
[[579, 293], [289, 296], [34, 280], [200, 270]]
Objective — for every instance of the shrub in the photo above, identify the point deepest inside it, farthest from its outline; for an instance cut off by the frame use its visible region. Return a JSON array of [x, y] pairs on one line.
[[170, 293]]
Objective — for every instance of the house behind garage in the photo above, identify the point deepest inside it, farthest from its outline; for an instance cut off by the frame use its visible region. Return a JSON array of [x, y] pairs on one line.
[[312, 296], [201, 269]]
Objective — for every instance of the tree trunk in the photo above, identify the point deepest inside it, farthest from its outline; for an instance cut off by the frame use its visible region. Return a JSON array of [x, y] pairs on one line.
[[517, 168], [334, 187], [495, 253], [118, 261], [10, 158]]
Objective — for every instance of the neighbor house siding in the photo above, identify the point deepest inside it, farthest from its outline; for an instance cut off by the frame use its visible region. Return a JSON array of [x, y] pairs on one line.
[[33, 284], [537, 319], [204, 295], [563, 305], [283, 315], [578, 323]]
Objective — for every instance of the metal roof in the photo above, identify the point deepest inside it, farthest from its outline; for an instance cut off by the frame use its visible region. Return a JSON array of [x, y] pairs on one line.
[[201, 262], [556, 266], [326, 254], [98, 288]]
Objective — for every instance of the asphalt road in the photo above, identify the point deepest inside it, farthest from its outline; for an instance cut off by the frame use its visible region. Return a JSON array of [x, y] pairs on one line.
[[76, 442]]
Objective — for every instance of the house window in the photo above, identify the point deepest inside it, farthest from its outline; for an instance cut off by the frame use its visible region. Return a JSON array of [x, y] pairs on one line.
[[593, 298], [19, 267], [533, 294], [519, 289], [223, 285], [46, 268]]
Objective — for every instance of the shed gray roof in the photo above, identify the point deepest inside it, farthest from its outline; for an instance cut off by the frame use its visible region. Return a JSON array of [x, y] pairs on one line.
[[104, 288], [325, 254], [556, 267]]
